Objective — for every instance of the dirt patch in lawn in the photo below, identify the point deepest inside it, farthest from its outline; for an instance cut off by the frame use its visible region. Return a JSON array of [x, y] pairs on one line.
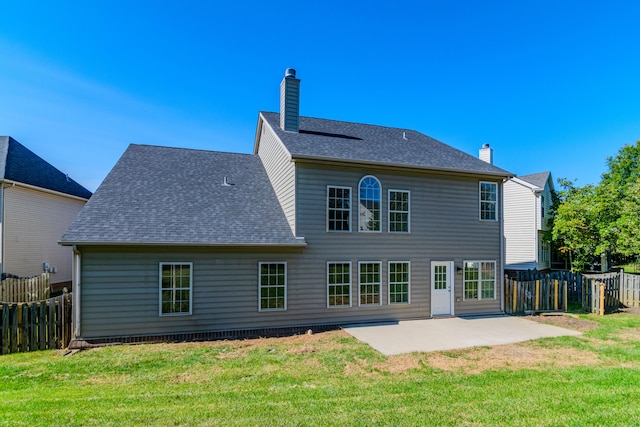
[[565, 321]]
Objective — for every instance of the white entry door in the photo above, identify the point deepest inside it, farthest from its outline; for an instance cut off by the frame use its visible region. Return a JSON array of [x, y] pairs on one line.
[[441, 288]]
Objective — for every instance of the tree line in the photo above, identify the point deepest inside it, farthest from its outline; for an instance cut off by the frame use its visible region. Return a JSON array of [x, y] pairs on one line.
[[600, 219]]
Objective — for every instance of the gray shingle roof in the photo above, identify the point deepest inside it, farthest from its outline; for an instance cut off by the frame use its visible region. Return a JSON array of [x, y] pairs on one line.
[[323, 139], [19, 164], [538, 179], [161, 195]]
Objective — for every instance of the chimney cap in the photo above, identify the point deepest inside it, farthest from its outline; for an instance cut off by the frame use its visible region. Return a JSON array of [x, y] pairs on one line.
[[485, 145], [290, 72]]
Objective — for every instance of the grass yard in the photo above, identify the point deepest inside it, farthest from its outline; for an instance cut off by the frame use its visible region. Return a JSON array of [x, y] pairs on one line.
[[332, 379]]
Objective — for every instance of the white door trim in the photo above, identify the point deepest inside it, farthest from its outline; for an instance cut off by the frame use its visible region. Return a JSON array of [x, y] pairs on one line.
[[450, 286]]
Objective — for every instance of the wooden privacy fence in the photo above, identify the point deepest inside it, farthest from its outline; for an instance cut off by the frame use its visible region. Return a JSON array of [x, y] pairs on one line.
[[29, 289], [544, 294], [596, 293], [32, 326]]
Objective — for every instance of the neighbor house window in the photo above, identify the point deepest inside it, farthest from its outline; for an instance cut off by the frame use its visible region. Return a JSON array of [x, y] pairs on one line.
[[370, 200], [545, 250], [488, 201], [273, 286], [398, 211], [370, 283], [398, 282], [338, 208], [175, 288], [338, 284], [479, 280]]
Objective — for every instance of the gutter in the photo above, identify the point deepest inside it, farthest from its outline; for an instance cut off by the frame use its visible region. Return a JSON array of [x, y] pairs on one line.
[[324, 160], [300, 244], [44, 190]]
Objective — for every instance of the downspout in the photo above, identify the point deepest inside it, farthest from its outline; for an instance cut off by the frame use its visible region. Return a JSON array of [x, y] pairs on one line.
[[502, 251], [75, 287]]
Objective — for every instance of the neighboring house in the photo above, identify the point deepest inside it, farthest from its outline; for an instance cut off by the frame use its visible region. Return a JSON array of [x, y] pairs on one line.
[[527, 203], [37, 205], [326, 223]]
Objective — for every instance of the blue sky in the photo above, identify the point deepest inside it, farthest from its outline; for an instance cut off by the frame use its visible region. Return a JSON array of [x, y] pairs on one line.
[[551, 85]]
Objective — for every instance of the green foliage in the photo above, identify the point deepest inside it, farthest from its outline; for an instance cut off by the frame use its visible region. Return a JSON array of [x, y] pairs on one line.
[[604, 219]]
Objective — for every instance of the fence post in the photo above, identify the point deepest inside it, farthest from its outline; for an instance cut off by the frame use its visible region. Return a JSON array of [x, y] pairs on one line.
[[566, 297], [601, 299], [537, 295], [515, 296]]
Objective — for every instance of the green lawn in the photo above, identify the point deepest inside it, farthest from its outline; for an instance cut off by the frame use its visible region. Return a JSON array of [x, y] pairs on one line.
[[331, 379]]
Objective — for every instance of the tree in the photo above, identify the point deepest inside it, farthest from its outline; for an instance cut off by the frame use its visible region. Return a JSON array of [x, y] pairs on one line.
[[574, 228], [605, 219]]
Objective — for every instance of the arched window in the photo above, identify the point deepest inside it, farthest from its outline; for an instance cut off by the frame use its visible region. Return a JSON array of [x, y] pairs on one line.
[[370, 199]]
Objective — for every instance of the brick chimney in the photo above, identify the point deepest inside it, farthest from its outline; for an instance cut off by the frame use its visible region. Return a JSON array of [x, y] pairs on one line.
[[486, 153], [290, 102]]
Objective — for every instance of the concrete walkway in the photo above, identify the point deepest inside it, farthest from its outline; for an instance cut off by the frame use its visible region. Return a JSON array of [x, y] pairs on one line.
[[451, 333]]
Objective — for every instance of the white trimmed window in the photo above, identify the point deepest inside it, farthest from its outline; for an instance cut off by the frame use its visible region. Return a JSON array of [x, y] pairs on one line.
[[488, 201], [272, 283], [479, 280], [399, 211], [370, 283], [398, 282], [338, 284], [370, 201], [176, 282], [338, 208]]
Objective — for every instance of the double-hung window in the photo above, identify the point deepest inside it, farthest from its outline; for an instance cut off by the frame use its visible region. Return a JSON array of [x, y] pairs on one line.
[[479, 280], [338, 284], [398, 211], [488, 201], [338, 208], [370, 273], [370, 202], [176, 282], [398, 282], [272, 277]]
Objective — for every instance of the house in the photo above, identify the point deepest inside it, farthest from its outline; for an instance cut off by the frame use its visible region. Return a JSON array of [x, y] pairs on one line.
[[37, 204], [326, 223], [527, 207]]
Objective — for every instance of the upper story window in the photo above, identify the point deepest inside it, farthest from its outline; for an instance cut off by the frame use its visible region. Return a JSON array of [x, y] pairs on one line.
[[488, 201], [338, 208], [175, 288], [398, 211], [370, 201]]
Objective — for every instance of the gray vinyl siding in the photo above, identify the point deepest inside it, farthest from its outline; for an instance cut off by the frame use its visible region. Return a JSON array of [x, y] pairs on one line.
[[120, 290], [281, 172], [444, 227]]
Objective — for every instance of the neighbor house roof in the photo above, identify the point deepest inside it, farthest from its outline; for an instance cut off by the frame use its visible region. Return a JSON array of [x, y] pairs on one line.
[[21, 165], [160, 195], [331, 140], [537, 179]]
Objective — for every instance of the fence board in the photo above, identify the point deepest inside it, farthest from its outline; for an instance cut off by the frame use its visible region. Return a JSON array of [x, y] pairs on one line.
[[36, 325], [630, 290]]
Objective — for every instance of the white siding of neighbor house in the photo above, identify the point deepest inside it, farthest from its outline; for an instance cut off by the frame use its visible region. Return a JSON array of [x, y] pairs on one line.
[[120, 286], [521, 213], [34, 222], [281, 172]]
